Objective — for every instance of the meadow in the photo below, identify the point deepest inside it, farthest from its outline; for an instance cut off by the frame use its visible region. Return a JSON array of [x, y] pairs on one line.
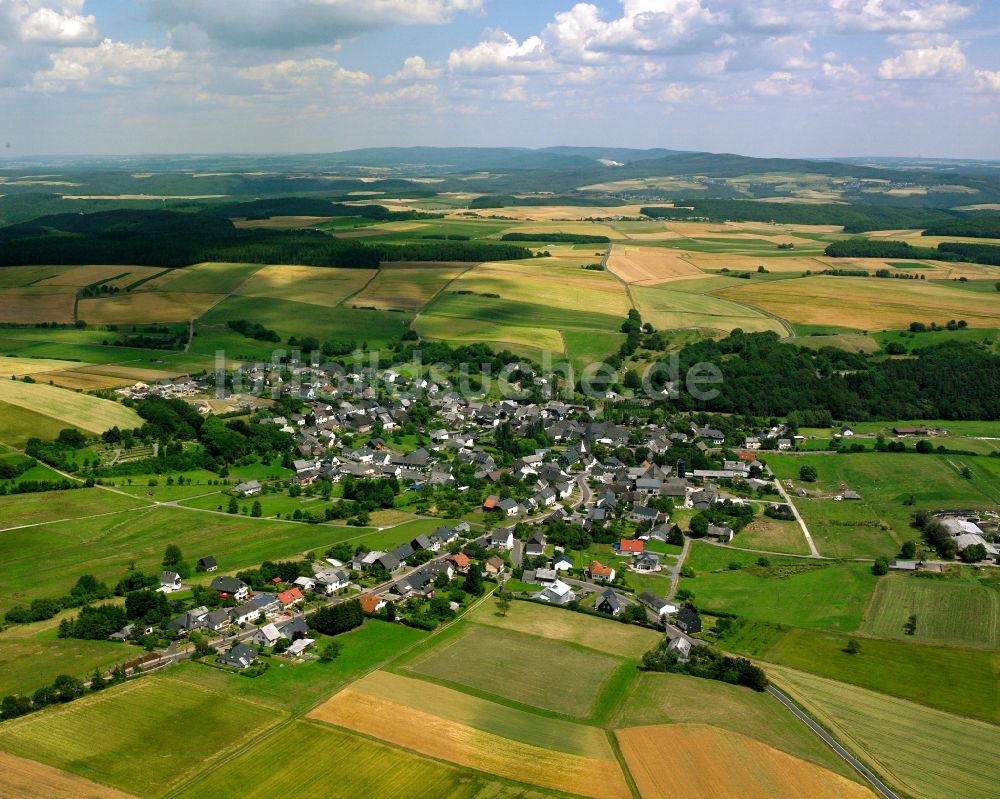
[[666, 307], [68, 408], [920, 751]]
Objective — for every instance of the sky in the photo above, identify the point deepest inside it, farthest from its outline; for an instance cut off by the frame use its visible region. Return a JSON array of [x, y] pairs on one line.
[[781, 78]]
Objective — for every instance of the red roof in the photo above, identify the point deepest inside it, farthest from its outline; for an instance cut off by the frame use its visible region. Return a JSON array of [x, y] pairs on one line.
[[599, 569], [290, 596], [631, 545], [460, 559], [370, 603]]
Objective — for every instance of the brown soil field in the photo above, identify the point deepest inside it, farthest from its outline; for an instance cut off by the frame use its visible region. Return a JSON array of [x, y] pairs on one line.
[[25, 778], [440, 738], [706, 761], [146, 307], [27, 306], [81, 381], [649, 266]]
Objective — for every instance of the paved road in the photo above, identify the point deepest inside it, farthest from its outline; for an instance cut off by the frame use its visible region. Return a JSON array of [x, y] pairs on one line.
[[844, 755]]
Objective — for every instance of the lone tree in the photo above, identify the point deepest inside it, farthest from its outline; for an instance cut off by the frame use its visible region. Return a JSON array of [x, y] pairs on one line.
[[880, 567], [853, 647], [503, 602], [808, 474]]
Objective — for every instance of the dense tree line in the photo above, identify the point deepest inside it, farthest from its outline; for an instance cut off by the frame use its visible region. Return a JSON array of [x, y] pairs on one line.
[[95, 623], [370, 494], [451, 250], [880, 248], [253, 330], [340, 618], [854, 218], [764, 377], [987, 254], [977, 227], [568, 238], [708, 663], [308, 206]]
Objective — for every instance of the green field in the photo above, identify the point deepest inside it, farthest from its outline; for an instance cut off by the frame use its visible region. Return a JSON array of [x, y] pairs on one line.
[[773, 535], [137, 748], [49, 506], [520, 668], [961, 681], [803, 593], [925, 753], [668, 308], [67, 408], [313, 756], [207, 278], [679, 699], [965, 612]]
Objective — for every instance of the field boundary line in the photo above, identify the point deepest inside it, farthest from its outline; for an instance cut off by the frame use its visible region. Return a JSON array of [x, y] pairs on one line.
[[623, 764], [377, 272]]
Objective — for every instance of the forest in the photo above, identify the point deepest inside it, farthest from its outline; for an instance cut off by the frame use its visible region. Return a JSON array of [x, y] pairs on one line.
[[978, 227], [987, 254]]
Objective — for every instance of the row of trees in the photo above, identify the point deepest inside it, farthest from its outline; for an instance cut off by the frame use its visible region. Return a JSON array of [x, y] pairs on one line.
[[708, 663]]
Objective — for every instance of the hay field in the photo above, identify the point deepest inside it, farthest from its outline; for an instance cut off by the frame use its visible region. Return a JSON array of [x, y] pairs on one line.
[[550, 281], [451, 726], [146, 307], [77, 410], [714, 261], [647, 266], [79, 276], [205, 278], [667, 308], [315, 285], [520, 668], [470, 331], [12, 365], [679, 699], [19, 276], [868, 303], [706, 761], [592, 632], [578, 228], [928, 754], [553, 213], [959, 612], [406, 288], [20, 777], [323, 763], [138, 747], [33, 304]]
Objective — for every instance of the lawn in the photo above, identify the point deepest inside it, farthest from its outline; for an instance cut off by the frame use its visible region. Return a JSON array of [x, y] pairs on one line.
[[138, 749], [67, 408], [307, 754], [803, 594], [519, 668], [922, 752], [601, 635], [679, 699], [948, 611]]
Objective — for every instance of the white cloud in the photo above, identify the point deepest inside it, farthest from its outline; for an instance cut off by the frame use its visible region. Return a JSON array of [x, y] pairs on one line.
[[675, 93], [781, 83], [293, 74], [500, 54], [925, 63], [897, 15], [108, 63], [291, 24], [414, 68], [418, 92], [844, 73], [57, 22], [988, 80]]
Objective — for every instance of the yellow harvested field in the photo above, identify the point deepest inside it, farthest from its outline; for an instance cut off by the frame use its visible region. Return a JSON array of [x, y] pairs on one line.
[[559, 285], [78, 410], [143, 306], [434, 736], [549, 213], [648, 266], [921, 751], [26, 778], [29, 366], [406, 288], [707, 761], [589, 631], [868, 303], [749, 263], [133, 373], [25, 306], [20, 276], [315, 285]]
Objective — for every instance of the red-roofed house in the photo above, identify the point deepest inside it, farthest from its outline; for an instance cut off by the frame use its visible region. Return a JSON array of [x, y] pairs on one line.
[[598, 571], [460, 561], [372, 603], [630, 546], [290, 597]]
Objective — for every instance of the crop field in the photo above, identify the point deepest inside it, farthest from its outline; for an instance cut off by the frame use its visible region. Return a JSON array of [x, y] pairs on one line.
[[649, 266], [146, 306], [668, 308], [804, 594], [559, 625], [879, 522], [18, 424], [509, 312], [130, 718], [111, 275], [73, 410], [468, 331], [207, 278], [20, 777], [707, 761], [315, 285], [948, 611], [520, 668], [25, 306], [46, 559], [13, 365], [678, 699], [313, 755], [471, 732], [923, 752], [868, 303], [12, 277], [406, 287]]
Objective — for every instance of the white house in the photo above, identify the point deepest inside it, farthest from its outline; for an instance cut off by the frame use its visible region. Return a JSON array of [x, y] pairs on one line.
[[170, 582], [502, 538]]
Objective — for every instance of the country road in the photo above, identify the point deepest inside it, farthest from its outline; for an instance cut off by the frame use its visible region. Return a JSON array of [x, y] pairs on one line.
[[798, 517], [828, 739]]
